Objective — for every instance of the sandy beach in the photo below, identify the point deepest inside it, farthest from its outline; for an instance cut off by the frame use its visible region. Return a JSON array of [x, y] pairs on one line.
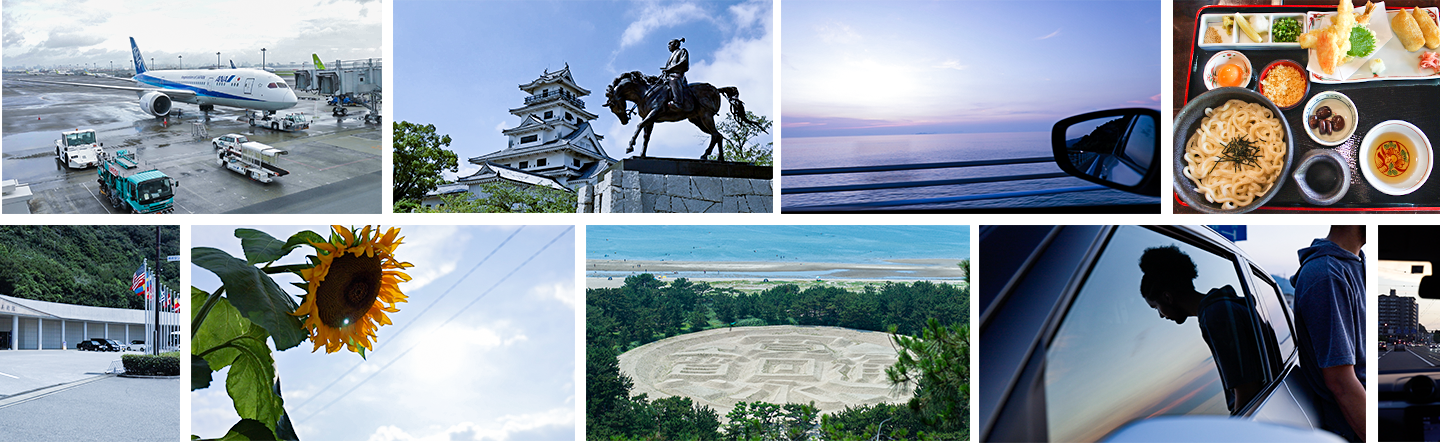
[[598, 271]]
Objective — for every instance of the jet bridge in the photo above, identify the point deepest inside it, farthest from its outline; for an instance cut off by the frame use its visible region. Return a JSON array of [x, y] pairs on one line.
[[355, 82]]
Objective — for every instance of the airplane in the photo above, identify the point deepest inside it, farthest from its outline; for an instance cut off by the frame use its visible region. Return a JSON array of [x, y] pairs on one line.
[[238, 88]]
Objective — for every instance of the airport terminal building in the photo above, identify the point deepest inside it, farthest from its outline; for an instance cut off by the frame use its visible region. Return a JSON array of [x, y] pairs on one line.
[[41, 325]]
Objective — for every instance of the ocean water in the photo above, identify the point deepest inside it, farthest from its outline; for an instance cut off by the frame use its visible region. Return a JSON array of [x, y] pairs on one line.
[[827, 152], [821, 244]]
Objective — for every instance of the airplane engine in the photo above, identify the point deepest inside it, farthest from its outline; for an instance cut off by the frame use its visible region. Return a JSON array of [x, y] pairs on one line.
[[156, 103]]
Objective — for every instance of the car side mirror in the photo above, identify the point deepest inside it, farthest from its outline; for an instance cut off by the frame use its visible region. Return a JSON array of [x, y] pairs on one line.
[[1429, 287], [1119, 148]]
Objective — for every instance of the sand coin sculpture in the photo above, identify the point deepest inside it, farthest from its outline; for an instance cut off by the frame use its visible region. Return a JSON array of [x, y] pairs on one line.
[[833, 367]]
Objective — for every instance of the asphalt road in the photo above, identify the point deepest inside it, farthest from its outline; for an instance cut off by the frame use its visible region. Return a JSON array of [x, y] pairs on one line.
[[334, 150], [107, 409], [1409, 360]]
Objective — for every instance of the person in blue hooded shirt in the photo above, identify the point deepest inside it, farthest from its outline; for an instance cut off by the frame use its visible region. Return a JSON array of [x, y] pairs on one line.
[[1330, 328]]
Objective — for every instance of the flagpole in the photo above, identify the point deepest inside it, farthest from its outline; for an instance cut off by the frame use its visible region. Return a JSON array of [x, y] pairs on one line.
[[159, 259]]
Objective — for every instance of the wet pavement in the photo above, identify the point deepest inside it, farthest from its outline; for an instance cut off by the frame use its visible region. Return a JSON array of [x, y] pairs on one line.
[[334, 166]]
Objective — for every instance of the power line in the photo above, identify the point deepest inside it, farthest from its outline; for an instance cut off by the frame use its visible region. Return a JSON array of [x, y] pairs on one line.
[[422, 313], [442, 325]]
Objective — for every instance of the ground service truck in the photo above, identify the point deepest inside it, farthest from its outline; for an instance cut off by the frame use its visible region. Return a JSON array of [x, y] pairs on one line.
[[77, 149], [130, 190], [252, 159]]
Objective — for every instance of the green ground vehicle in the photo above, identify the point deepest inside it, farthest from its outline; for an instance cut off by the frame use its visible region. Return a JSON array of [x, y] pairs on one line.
[[132, 191]]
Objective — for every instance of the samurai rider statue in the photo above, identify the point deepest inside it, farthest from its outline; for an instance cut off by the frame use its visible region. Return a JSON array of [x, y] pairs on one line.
[[674, 74]]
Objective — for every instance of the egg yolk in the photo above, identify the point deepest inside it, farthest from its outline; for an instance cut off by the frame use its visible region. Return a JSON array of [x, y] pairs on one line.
[[1227, 75]]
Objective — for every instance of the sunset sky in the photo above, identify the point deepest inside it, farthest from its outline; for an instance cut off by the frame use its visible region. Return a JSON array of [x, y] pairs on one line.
[[901, 67]]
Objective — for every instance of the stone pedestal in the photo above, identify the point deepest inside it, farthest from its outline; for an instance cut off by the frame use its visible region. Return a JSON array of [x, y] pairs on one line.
[[638, 185]]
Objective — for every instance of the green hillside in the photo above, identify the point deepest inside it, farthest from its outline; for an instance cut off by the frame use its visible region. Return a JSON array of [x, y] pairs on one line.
[[82, 265]]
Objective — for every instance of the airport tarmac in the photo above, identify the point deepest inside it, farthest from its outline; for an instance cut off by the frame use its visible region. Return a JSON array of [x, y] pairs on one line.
[[334, 166]]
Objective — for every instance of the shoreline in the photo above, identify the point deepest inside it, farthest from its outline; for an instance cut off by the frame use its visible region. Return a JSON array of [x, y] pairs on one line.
[[602, 273]]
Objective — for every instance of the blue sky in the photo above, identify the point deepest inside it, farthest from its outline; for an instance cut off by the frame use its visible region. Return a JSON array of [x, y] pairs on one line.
[[458, 63], [902, 67], [504, 368]]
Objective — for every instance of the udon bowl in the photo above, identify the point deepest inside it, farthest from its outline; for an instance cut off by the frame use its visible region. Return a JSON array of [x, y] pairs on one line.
[[1423, 157], [1189, 120]]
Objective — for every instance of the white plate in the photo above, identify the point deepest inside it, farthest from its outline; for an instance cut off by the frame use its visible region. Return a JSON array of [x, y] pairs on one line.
[[1399, 64], [1238, 39], [1422, 152]]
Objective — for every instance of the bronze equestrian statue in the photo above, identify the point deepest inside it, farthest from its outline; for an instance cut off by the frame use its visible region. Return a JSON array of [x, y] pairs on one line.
[[656, 100]]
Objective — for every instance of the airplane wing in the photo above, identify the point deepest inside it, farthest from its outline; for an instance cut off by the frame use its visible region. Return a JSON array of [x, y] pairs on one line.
[[176, 94]]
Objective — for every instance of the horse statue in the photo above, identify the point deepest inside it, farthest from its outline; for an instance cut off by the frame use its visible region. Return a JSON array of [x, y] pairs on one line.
[[649, 93]]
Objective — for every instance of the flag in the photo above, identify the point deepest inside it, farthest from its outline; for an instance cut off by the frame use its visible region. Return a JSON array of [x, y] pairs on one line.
[[138, 281], [164, 297]]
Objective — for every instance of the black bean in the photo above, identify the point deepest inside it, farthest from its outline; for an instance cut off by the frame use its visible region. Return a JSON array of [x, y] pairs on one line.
[[1323, 112], [1337, 123]]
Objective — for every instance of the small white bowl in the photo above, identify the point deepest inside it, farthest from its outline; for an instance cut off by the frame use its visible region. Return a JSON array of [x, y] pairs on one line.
[[1422, 151], [1224, 57], [1338, 103]]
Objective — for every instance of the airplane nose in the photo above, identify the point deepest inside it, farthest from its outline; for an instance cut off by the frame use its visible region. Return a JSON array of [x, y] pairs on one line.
[[290, 97]]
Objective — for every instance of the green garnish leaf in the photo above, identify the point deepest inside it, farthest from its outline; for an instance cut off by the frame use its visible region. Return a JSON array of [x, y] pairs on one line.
[[1239, 152], [1362, 42]]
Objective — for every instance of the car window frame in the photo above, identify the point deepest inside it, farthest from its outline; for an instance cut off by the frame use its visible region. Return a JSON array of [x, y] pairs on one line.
[[1026, 374]]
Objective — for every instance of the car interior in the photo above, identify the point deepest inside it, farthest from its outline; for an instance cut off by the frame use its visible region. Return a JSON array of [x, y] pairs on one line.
[[1409, 407]]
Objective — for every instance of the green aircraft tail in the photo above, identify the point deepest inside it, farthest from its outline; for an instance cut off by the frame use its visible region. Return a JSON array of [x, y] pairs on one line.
[[318, 64]]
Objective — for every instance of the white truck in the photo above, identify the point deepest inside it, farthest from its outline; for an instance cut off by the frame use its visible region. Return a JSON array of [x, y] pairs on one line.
[[290, 121], [253, 159], [77, 149]]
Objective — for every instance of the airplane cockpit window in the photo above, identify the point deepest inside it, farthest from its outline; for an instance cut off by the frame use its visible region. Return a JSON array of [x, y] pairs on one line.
[[271, 86], [282, 85]]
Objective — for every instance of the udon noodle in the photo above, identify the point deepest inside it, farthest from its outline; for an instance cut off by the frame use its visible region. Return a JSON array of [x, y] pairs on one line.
[[1233, 184]]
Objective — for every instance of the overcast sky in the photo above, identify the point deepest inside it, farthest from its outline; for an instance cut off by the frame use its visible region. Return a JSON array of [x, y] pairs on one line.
[[459, 63], [75, 32], [901, 67], [503, 369]]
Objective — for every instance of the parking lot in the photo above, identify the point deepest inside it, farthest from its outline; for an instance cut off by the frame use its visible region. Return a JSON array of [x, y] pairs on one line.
[[22, 371], [55, 395]]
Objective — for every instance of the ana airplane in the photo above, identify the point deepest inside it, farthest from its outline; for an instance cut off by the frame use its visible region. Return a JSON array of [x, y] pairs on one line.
[[239, 88]]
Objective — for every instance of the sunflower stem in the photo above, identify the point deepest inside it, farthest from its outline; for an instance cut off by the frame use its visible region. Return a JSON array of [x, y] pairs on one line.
[[205, 310]]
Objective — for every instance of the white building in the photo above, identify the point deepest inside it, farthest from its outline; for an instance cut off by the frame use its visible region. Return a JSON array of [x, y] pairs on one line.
[[34, 324], [554, 146]]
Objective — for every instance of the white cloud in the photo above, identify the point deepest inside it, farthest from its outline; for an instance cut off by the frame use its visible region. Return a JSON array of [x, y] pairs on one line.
[[555, 424], [563, 291], [1052, 34], [431, 249], [655, 16], [745, 63], [953, 64], [837, 33]]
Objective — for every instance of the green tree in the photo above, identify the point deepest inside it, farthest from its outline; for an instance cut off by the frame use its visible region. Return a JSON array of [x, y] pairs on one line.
[[420, 161], [965, 269], [765, 421], [938, 364], [505, 197], [738, 136]]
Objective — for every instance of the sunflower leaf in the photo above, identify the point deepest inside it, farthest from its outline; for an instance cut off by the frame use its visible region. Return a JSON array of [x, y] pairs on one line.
[[263, 248], [227, 339], [255, 295], [248, 430], [199, 373]]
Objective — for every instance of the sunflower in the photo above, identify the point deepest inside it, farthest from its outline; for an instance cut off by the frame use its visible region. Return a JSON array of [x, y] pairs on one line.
[[355, 281]]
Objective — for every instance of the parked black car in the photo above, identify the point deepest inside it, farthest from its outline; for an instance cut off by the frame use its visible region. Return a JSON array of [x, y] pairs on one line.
[[1070, 350], [100, 344]]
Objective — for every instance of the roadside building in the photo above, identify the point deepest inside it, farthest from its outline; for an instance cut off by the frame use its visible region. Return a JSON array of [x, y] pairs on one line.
[[42, 325], [554, 145], [1399, 318]]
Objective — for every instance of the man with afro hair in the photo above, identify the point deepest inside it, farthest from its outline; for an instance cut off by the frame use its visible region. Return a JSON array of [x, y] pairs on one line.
[[1225, 320]]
